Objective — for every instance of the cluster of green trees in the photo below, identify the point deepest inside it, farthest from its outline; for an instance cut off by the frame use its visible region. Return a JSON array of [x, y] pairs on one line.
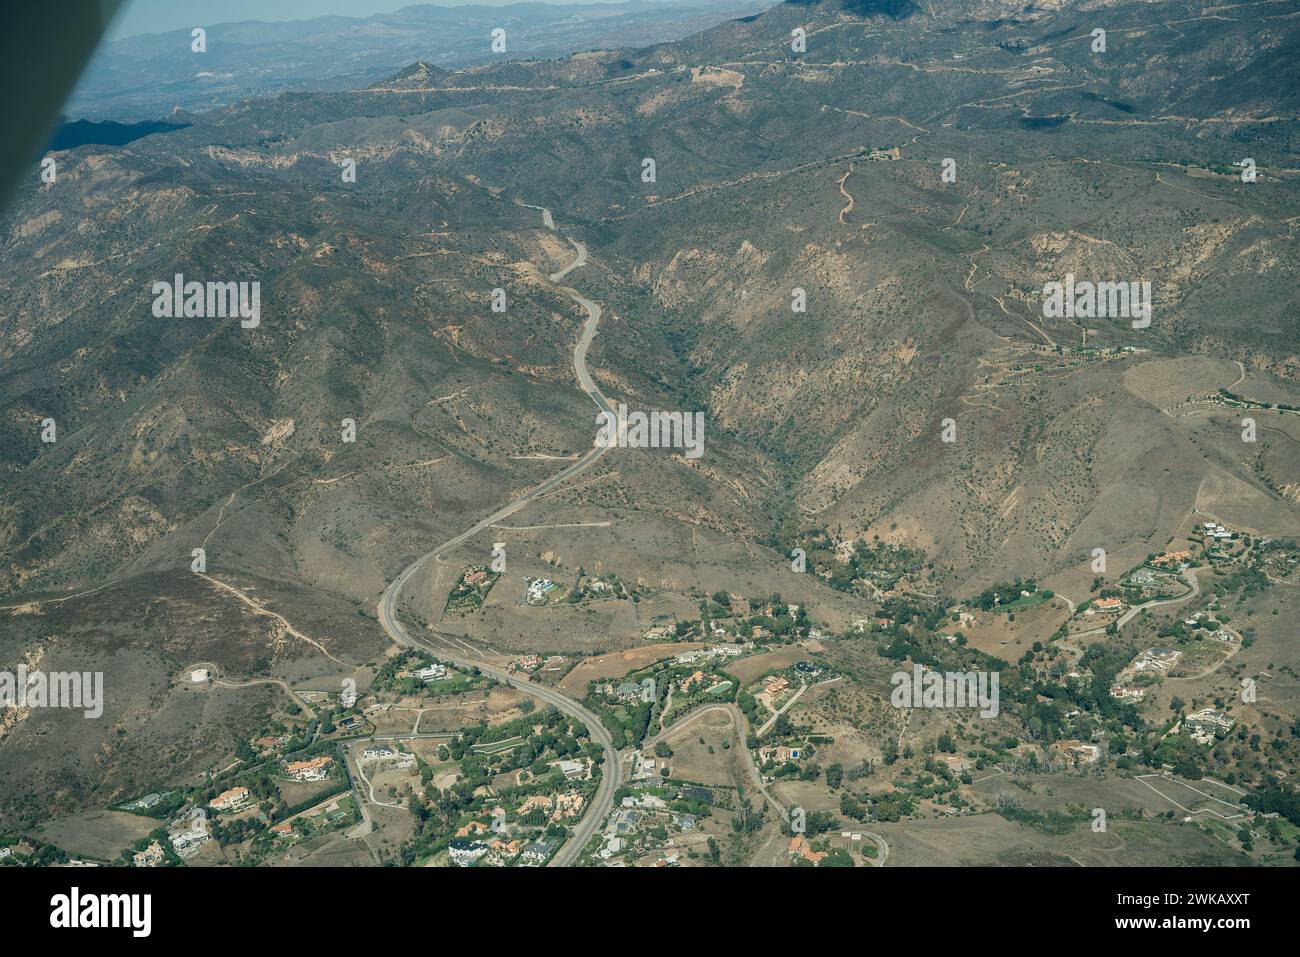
[[386, 678], [1276, 798], [880, 563], [464, 593], [1004, 593], [1051, 821]]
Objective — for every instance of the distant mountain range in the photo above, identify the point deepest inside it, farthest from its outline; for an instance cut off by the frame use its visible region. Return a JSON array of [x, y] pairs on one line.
[[146, 76], [776, 170]]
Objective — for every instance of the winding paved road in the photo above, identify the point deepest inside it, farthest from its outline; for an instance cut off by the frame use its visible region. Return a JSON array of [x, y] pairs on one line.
[[388, 603], [1134, 611]]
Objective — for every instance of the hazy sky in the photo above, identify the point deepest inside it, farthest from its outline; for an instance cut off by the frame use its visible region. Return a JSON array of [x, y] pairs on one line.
[[158, 16]]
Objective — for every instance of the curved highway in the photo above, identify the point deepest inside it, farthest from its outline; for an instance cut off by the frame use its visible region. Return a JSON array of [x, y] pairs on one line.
[[612, 771]]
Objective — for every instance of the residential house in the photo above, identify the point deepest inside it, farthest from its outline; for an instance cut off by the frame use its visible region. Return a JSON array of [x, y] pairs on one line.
[[541, 801], [650, 801], [231, 800], [314, 770], [573, 769], [567, 805], [1209, 720], [1156, 659], [776, 684], [188, 835], [473, 828], [1083, 753], [539, 588], [694, 679], [464, 852], [955, 763], [536, 853], [506, 850], [628, 691], [144, 803], [151, 856], [800, 846]]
